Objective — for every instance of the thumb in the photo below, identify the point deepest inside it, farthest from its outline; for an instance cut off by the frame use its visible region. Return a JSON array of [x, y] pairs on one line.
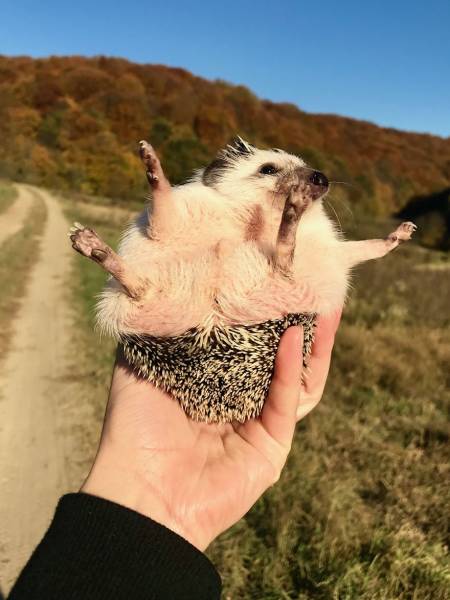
[[279, 413]]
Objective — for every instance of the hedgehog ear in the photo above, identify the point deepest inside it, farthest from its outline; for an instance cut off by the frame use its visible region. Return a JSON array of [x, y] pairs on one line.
[[236, 148]]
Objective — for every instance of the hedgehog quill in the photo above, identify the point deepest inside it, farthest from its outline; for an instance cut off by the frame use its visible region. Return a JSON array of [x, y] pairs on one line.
[[208, 277]]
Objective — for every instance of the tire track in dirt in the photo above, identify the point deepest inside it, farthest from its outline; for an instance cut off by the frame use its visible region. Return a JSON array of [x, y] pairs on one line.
[[40, 408]]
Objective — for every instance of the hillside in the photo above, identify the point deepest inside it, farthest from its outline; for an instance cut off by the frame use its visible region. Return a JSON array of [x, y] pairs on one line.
[[74, 122]]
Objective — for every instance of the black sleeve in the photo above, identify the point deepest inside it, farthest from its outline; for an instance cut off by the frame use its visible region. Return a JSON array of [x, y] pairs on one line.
[[96, 549]]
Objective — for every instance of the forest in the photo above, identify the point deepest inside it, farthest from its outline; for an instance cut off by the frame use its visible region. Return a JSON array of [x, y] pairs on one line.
[[73, 123]]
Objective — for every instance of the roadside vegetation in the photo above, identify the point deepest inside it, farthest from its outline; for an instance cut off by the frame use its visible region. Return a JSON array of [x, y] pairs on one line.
[[7, 195], [361, 510], [18, 254]]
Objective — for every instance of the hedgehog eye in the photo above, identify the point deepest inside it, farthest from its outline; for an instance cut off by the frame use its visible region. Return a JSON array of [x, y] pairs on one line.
[[268, 169]]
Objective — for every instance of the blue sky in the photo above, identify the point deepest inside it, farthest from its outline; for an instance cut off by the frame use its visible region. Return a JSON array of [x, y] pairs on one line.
[[387, 62]]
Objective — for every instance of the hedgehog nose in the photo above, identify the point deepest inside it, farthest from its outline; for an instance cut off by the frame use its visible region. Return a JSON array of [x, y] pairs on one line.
[[319, 179]]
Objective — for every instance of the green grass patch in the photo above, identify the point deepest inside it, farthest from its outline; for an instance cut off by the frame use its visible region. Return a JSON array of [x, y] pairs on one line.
[[17, 257], [8, 194]]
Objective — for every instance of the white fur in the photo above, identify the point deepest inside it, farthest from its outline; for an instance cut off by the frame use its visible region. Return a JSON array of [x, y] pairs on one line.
[[204, 273]]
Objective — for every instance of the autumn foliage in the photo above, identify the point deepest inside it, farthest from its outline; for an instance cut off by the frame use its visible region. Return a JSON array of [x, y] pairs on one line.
[[74, 123]]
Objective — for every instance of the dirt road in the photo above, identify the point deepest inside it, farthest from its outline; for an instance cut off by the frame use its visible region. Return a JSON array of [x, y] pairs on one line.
[[38, 418]]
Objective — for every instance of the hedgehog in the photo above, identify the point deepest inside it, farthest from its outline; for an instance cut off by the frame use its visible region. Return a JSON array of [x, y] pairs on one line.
[[211, 273]]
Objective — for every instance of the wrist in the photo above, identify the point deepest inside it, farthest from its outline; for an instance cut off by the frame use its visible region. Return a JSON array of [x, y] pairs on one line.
[[124, 487]]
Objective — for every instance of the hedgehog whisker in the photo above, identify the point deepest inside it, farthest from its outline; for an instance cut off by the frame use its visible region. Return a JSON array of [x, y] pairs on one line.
[[345, 183], [336, 215], [346, 205]]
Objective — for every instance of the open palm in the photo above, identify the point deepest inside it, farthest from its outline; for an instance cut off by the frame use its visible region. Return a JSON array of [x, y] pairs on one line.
[[198, 479]]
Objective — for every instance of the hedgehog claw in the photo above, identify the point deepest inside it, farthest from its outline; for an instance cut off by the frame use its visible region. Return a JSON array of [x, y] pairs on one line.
[[403, 232], [86, 241]]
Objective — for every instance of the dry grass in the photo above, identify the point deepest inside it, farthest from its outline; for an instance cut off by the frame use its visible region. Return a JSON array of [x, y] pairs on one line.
[[361, 509], [17, 257]]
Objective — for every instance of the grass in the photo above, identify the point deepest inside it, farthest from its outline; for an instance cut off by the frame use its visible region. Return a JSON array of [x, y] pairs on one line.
[[361, 509], [8, 194], [17, 257], [80, 199]]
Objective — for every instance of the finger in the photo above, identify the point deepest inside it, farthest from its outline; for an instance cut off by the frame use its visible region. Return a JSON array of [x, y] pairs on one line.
[[306, 405], [318, 364], [279, 413], [320, 357]]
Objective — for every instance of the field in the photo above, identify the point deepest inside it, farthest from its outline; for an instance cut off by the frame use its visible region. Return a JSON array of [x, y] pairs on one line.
[[361, 510]]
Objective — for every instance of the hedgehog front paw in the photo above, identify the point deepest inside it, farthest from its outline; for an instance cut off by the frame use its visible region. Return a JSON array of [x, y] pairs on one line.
[[87, 242], [403, 232]]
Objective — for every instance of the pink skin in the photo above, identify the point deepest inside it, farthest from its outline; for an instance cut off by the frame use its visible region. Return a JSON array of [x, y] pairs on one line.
[[357, 252]]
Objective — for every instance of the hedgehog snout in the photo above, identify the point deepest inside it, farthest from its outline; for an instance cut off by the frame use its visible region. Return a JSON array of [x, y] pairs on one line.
[[308, 183], [318, 184], [318, 179]]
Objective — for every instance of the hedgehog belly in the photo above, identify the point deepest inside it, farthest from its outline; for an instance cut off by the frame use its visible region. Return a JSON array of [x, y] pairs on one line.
[[219, 378]]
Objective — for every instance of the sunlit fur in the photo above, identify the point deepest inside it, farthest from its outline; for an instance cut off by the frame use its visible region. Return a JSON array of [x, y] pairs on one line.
[[203, 272]]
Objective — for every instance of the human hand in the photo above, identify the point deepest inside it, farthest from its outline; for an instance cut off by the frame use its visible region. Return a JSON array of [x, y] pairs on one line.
[[198, 479]]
